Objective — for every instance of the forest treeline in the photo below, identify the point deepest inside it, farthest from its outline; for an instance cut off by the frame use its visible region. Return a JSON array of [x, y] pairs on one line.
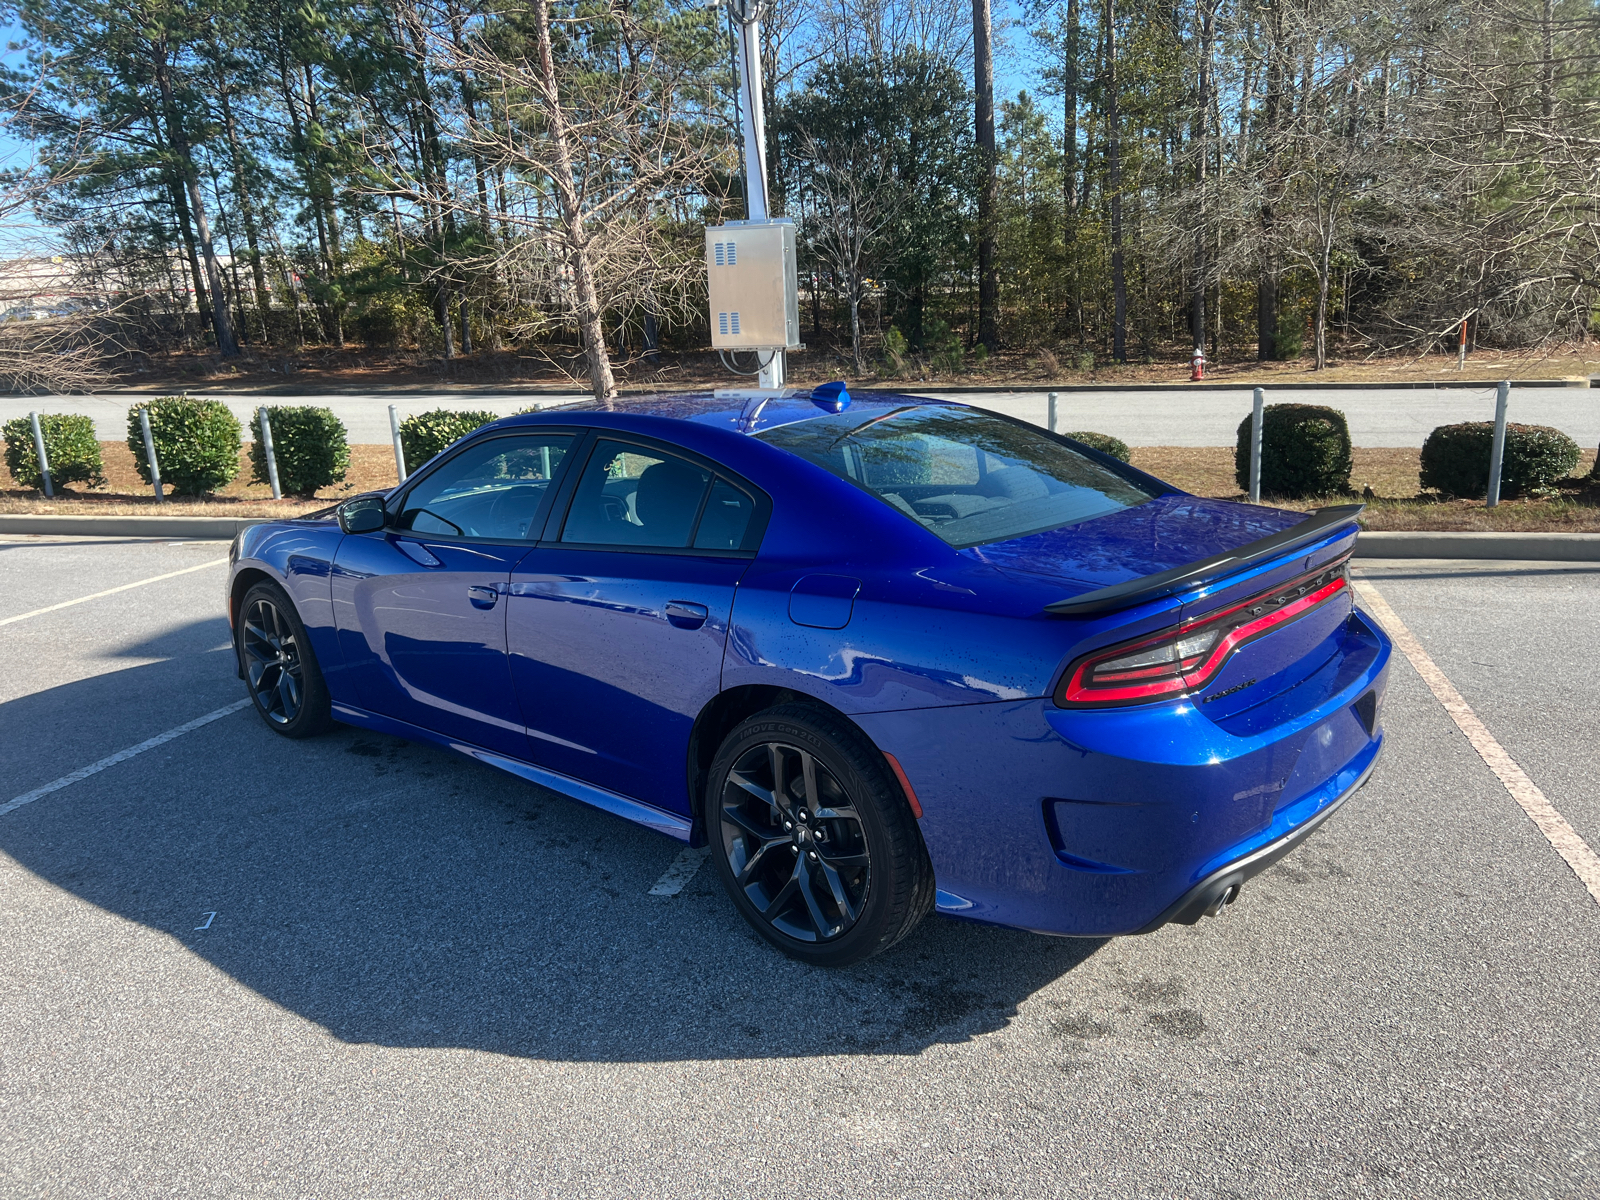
[[1263, 177]]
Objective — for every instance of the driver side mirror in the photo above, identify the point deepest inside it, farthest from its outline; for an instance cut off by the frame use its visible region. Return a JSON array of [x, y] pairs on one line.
[[364, 514]]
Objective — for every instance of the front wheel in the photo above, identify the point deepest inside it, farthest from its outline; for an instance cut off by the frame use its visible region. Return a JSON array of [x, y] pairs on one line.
[[814, 839], [280, 667]]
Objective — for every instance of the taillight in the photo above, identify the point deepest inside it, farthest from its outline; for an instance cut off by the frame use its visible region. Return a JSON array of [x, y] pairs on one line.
[[1186, 659]]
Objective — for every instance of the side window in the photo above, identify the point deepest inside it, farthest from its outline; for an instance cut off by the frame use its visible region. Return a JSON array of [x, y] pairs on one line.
[[630, 496], [495, 489], [726, 519]]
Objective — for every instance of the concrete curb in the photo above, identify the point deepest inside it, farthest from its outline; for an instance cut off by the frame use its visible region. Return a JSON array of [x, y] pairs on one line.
[[1543, 547], [208, 528], [1532, 547]]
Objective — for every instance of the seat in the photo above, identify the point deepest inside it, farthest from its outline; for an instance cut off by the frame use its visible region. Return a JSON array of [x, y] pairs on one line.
[[668, 500]]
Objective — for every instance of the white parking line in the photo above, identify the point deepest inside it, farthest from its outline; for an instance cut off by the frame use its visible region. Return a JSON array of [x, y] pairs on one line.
[[682, 870], [95, 768], [1584, 862], [216, 562]]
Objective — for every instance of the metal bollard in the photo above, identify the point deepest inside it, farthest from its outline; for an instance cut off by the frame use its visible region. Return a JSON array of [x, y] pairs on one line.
[[399, 453], [1502, 397], [150, 453], [1258, 403], [44, 459], [1051, 422], [272, 459]]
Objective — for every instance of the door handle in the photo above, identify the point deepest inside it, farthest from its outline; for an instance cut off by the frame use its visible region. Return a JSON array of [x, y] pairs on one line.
[[482, 597], [686, 614]]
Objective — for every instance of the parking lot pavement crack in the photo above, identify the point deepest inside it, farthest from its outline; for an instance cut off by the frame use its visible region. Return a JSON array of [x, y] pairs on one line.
[[1577, 853]]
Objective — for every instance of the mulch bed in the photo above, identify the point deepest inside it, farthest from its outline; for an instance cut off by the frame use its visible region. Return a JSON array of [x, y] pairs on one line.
[[1395, 501]]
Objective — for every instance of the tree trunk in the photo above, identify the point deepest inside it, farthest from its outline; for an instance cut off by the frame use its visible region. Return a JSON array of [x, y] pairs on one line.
[[601, 379], [325, 199], [1547, 73], [197, 279], [855, 324], [178, 139], [988, 188], [247, 208], [1119, 281], [1069, 104], [1205, 18]]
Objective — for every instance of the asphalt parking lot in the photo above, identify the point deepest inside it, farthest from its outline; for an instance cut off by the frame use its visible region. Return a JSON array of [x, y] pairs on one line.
[[232, 965]]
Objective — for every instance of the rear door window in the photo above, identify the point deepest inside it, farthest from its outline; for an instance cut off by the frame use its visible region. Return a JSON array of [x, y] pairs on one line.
[[968, 476]]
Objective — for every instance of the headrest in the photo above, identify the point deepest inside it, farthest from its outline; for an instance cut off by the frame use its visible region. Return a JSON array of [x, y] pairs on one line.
[[668, 496]]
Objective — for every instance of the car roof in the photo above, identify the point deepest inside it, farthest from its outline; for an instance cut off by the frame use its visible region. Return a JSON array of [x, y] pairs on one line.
[[744, 411]]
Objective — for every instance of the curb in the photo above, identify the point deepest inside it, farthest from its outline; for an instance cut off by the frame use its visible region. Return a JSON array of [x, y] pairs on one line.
[[1540, 547], [1533, 547], [207, 528]]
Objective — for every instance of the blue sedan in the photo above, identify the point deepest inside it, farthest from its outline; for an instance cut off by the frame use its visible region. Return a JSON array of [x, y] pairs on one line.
[[883, 657]]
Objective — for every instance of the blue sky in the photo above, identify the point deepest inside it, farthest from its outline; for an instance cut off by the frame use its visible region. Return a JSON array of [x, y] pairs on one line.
[[1014, 69]]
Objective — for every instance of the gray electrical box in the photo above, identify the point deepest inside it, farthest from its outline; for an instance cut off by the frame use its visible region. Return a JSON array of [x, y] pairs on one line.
[[755, 296]]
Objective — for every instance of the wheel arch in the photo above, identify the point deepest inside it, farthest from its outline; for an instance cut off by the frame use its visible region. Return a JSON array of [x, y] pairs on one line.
[[245, 579], [718, 718]]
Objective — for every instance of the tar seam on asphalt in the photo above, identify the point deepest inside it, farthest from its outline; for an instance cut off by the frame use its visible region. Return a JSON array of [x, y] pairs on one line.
[[1584, 862], [681, 871], [95, 768], [216, 562]]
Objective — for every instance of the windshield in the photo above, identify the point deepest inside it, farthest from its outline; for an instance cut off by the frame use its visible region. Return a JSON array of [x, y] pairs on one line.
[[969, 476]]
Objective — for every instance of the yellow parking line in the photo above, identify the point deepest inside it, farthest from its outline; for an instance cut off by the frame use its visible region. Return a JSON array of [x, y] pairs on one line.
[[216, 562], [1584, 862]]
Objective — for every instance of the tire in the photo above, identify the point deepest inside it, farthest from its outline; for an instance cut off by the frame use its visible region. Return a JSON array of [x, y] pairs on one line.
[[829, 884], [280, 668]]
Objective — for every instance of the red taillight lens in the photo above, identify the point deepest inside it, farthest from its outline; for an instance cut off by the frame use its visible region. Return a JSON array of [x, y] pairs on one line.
[[1186, 659]]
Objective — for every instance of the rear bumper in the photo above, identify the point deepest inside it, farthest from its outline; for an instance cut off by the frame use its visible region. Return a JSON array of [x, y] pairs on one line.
[[1103, 823], [1219, 889]]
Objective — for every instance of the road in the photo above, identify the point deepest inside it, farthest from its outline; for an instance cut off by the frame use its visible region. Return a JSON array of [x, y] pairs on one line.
[[241, 966], [1151, 417]]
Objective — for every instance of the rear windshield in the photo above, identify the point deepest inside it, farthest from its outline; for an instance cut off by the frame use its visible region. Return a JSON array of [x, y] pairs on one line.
[[968, 476]]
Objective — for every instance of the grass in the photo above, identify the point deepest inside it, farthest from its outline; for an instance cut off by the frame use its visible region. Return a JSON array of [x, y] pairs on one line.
[[1396, 500]]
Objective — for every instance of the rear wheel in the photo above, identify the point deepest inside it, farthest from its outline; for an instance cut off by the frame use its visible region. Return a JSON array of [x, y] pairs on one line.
[[814, 839], [280, 667]]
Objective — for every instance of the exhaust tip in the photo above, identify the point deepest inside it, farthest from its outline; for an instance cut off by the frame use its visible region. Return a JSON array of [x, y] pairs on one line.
[[1222, 899]]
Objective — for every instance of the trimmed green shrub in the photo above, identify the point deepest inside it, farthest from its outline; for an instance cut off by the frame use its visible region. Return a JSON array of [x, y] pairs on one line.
[[311, 445], [1305, 451], [1455, 459], [197, 443], [424, 435], [69, 443], [1104, 443]]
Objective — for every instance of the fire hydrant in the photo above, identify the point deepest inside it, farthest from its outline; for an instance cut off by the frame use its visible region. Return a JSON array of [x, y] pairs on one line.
[[1197, 365]]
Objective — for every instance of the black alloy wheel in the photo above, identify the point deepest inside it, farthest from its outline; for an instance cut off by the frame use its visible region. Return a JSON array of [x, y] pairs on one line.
[[814, 839], [280, 667]]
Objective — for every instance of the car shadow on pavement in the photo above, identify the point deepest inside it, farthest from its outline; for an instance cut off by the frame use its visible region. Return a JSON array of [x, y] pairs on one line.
[[400, 895]]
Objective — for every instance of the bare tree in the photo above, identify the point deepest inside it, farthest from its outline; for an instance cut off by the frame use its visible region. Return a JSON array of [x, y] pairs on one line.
[[53, 336], [599, 124], [855, 200]]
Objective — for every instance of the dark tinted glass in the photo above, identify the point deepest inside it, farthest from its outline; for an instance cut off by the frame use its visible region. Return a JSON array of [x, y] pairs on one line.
[[970, 477], [491, 490], [629, 496], [727, 517]]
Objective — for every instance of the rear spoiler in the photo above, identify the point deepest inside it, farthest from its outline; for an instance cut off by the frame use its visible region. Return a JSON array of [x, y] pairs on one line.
[[1207, 570]]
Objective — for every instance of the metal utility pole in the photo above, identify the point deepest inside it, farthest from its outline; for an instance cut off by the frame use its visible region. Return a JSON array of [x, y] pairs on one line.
[[753, 119]]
